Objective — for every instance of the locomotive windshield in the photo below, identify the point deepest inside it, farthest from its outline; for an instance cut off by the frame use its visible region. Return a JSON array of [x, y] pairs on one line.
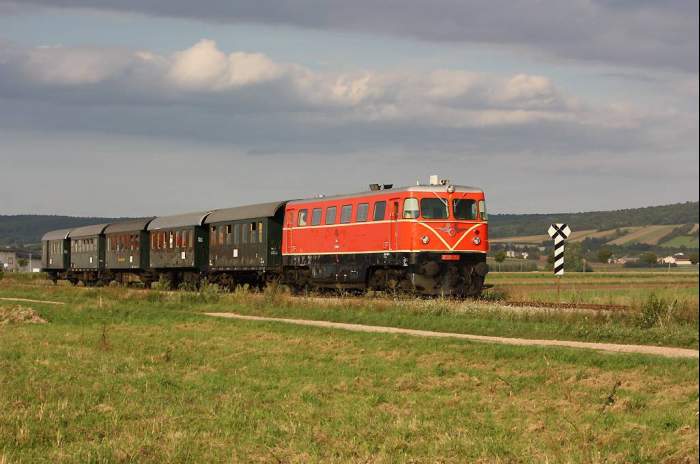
[[433, 208], [464, 209]]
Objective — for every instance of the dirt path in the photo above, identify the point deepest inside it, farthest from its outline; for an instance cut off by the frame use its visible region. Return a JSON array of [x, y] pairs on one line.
[[669, 352], [26, 300]]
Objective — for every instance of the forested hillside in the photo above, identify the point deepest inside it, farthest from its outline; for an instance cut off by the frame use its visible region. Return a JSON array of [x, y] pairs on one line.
[[510, 225], [28, 228]]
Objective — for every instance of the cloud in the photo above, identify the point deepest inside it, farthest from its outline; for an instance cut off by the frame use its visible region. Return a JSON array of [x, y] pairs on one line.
[[631, 33], [260, 105]]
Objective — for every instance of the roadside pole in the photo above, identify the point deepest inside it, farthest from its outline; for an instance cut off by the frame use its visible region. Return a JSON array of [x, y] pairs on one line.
[[559, 232]]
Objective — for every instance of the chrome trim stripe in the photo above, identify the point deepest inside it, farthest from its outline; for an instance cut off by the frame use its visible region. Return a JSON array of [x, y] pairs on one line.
[[385, 221]]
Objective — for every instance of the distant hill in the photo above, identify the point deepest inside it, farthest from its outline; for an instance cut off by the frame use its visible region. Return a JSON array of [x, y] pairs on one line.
[[19, 230], [29, 228], [514, 225]]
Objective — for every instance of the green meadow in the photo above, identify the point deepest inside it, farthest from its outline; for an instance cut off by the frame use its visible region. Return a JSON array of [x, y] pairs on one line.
[[125, 375]]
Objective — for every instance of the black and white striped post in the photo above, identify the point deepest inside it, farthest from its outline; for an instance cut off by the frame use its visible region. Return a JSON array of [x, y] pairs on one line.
[[559, 232]]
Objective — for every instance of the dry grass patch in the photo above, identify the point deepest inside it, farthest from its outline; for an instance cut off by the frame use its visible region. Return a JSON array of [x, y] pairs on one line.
[[18, 314]]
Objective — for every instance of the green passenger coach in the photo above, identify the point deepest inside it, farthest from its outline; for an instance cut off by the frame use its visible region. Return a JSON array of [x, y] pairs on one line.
[[179, 246], [55, 253], [87, 248], [245, 242]]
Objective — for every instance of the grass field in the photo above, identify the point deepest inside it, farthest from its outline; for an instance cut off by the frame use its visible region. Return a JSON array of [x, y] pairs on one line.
[[119, 375], [688, 241]]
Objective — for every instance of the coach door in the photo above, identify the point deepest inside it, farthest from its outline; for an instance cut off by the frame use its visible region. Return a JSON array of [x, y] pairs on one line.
[[394, 216]]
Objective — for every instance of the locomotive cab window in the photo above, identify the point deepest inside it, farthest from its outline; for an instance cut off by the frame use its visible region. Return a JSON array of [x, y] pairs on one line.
[[433, 208], [330, 215], [316, 216], [482, 210], [362, 211], [303, 216], [346, 214], [410, 208], [464, 209], [379, 210]]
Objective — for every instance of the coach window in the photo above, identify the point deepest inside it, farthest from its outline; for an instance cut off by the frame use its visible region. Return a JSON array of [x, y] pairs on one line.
[[362, 211], [464, 209], [346, 214], [236, 234], [303, 214], [253, 232], [330, 215], [244, 233], [410, 208], [379, 210], [433, 208], [260, 232], [229, 234], [316, 216], [222, 238]]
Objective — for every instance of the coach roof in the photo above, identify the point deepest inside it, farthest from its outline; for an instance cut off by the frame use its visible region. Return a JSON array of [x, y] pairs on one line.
[[178, 220], [87, 231], [60, 234], [136, 225], [245, 212], [414, 188]]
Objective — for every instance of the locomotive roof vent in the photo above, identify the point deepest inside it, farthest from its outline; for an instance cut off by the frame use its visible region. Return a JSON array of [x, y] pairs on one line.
[[375, 187]]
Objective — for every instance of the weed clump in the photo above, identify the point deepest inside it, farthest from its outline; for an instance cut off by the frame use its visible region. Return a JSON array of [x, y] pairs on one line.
[[658, 312], [162, 284]]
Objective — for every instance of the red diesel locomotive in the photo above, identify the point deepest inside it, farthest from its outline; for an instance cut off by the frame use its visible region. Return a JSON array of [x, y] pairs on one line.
[[427, 239], [430, 239]]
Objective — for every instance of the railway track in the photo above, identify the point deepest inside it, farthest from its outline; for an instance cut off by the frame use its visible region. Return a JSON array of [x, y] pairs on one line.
[[553, 305]]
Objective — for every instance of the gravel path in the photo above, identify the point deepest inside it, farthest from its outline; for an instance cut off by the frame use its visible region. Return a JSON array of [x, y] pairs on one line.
[[26, 300], [670, 352]]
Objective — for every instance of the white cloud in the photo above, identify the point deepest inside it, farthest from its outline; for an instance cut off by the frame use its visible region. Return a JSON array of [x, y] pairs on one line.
[[204, 67], [263, 104]]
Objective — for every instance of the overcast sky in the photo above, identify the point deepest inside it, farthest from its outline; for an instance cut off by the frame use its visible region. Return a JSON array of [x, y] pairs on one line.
[[140, 107]]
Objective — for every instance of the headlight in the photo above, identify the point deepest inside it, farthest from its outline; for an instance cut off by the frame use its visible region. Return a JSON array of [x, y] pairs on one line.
[[425, 239], [476, 240], [450, 189]]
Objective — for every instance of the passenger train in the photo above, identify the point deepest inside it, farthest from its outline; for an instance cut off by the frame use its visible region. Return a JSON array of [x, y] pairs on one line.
[[424, 239]]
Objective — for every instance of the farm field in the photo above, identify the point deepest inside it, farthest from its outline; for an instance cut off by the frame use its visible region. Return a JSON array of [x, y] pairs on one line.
[[650, 235], [121, 374], [576, 236], [687, 241]]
